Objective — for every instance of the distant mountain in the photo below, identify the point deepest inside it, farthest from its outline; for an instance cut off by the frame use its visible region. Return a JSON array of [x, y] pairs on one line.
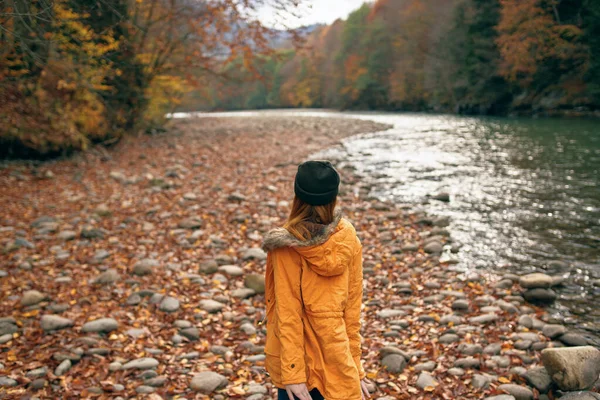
[[281, 39]]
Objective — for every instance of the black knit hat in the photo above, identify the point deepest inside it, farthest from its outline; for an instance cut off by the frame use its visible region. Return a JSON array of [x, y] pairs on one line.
[[316, 183]]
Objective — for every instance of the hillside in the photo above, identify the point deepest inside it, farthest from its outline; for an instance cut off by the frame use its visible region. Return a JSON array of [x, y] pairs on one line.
[[464, 56]]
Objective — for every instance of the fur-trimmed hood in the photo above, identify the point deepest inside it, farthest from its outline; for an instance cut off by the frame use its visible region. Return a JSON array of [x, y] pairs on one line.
[[280, 237], [328, 253]]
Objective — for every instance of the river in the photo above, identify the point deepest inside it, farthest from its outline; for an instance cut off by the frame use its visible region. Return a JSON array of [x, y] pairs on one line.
[[524, 193]]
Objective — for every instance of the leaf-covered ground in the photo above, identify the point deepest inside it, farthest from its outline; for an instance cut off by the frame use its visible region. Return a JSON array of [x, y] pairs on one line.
[[147, 233]]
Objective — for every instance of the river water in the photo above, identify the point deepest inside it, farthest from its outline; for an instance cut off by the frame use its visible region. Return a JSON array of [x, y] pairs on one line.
[[524, 193]]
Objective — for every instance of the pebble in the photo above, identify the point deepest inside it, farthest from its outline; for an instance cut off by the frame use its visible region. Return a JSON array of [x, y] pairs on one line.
[[540, 295], [480, 381], [62, 368], [54, 322], [538, 378], [100, 325], [501, 397], [169, 304], [248, 329], [451, 319], [231, 270], [211, 306], [66, 235], [456, 371], [157, 381], [535, 280], [493, 348], [208, 267], [460, 305], [433, 248], [38, 384], [108, 276], [141, 363], [5, 381], [449, 338], [115, 366], [426, 380], [386, 314], [468, 362], [517, 391], [553, 331], [394, 363], [207, 382], [143, 389], [526, 321], [37, 373], [254, 253], [470, 349], [190, 333], [190, 223], [483, 319], [573, 339], [426, 366], [242, 293], [255, 282], [181, 323], [31, 298], [145, 266]]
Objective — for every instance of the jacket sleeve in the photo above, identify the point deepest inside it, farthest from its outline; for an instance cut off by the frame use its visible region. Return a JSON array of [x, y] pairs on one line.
[[289, 310], [352, 311]]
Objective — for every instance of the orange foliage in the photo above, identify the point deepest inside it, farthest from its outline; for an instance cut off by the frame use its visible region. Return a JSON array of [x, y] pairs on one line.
[[529, 35]]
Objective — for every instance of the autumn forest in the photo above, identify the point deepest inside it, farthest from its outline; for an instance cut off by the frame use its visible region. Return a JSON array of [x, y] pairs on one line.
[[459, 56], [85, 71]]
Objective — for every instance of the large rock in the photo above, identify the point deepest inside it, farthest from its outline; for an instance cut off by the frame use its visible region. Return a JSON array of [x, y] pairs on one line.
[[207, 382], [572, 368], [535, 280], [54, 323], [255, 282], [101, 325], [32, 297]]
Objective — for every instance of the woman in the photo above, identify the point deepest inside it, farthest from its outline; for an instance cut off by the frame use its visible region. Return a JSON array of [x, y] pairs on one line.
[[314, 294]]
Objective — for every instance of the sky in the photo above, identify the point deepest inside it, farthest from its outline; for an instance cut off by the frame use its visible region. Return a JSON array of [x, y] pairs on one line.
[[311, 12]]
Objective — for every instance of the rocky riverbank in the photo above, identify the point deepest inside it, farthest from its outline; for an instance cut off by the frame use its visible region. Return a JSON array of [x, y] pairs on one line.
[[138, 272]]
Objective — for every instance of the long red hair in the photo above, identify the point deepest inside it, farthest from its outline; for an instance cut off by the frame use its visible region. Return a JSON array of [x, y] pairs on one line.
[[304, 214]]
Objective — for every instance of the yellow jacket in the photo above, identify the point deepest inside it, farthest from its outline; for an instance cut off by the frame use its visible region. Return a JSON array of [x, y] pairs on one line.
[[314, 294]]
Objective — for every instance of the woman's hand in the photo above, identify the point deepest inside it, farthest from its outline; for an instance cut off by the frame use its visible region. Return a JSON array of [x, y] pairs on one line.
[[365, 389], [299, 390]]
